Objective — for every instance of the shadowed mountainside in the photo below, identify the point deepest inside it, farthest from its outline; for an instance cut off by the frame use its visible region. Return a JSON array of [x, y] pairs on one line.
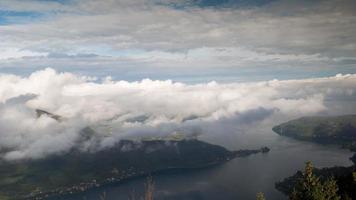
[[328, 130], [339, 130], [79, 171]]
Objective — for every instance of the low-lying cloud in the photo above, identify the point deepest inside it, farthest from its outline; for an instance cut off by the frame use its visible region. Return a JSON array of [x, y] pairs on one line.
[[121, 109]]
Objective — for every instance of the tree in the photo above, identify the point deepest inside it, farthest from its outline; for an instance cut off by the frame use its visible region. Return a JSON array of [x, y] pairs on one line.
[[149, 189], [260, 196], [310, 187]]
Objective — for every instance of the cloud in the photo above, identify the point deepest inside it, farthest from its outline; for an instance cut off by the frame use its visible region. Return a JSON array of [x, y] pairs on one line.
[[309, 34], [121, 109], [13, 53], [179, 36]]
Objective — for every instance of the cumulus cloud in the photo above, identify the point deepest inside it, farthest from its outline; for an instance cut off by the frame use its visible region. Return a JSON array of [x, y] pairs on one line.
[[119, 109]]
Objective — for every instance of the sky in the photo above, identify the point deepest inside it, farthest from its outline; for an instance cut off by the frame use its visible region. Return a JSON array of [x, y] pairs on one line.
[[182, 40], [150, 67]]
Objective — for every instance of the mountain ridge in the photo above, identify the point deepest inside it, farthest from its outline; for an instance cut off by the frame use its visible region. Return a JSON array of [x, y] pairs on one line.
[[339, 130], [77, 171]]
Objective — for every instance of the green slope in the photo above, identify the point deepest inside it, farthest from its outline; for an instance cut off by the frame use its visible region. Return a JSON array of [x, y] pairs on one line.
[[326, 129]]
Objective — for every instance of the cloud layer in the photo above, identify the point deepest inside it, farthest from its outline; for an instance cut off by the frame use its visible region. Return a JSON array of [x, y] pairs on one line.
[[121, 109], [179, 34]]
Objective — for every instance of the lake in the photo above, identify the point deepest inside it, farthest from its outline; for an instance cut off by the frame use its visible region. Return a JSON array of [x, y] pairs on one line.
[[240, 178]]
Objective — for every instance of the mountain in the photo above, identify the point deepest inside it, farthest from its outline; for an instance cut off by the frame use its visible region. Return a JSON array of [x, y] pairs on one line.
[[339, 130], [77, 171], [40, 112], [327, 129]]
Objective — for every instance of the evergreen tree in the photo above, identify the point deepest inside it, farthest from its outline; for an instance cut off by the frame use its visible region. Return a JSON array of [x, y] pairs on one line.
[[260, 196], [330, 189], [311, 188]]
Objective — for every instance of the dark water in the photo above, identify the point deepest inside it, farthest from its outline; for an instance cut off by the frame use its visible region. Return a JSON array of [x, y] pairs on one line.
[[240, 178]]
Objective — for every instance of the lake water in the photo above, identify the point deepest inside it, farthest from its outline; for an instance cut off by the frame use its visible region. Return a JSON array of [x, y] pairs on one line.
[[239, 179]]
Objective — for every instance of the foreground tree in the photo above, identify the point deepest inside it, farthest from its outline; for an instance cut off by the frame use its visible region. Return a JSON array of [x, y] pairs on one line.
[[260, 196], [149, 189], [310, 187]]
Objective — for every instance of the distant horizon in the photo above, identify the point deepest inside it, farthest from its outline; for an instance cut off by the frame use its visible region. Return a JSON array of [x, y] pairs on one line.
[[185, 40], [192, 77]]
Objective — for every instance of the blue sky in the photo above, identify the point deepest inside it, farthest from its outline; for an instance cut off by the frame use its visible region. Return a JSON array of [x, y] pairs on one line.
[[17, 17], [192, 41], [10, 16]]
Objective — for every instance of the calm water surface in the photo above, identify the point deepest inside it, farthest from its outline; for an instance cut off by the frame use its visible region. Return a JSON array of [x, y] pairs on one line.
[[239, 179]]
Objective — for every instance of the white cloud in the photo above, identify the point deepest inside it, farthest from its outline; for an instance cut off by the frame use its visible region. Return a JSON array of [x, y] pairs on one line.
[[13, 53], [146, 107], [284, 33]]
